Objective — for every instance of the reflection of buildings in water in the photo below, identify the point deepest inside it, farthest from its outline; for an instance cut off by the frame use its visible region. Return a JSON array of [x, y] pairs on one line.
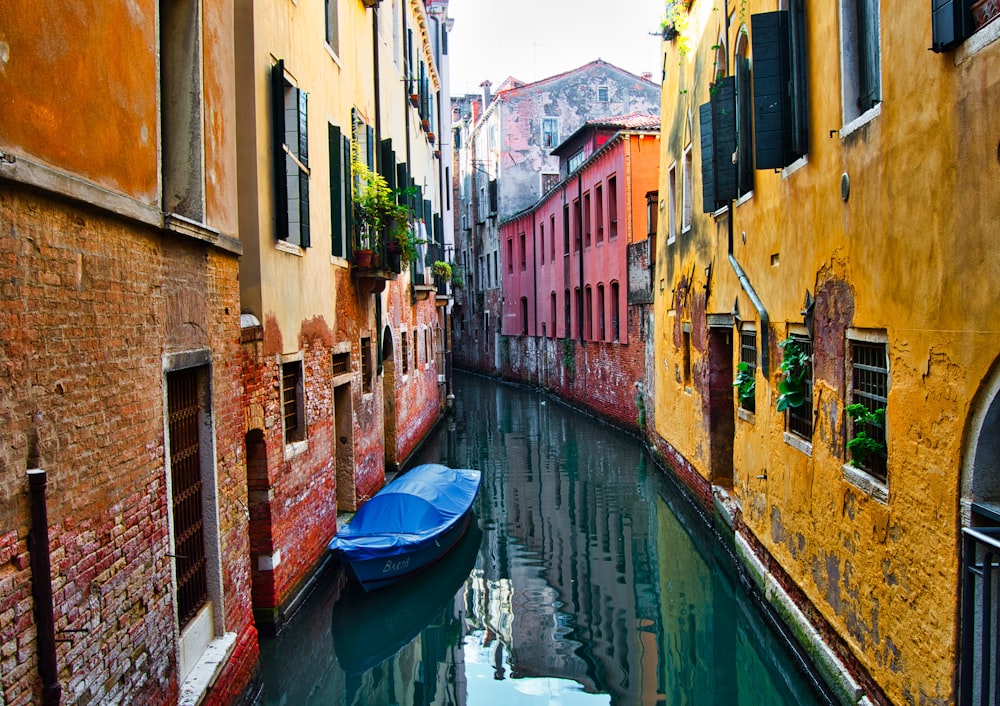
[[577, 565]]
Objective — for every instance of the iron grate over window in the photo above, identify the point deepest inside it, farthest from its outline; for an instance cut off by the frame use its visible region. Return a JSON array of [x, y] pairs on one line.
[[748, 355], [291, 401], [870, 387], [341, 363], [183, 411], [800, 419], [366, 364]]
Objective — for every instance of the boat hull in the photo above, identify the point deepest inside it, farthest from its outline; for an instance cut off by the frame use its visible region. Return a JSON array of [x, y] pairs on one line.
[[378, 573]]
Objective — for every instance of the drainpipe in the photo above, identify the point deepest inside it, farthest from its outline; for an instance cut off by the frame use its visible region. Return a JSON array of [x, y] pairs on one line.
[[761, 311], [41, 589], [378, 153], [579, 233]]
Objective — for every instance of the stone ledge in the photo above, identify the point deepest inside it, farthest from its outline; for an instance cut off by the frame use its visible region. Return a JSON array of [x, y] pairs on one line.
[[207, 670]]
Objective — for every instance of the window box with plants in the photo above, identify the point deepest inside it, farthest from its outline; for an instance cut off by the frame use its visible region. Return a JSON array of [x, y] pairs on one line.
[[383, 230]]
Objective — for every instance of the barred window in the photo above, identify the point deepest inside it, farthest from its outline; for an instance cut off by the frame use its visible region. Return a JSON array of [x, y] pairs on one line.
[[405, 339], [870, 388], [340, 363], [747, 375], [366, 364], [799, 420], [292, 408]]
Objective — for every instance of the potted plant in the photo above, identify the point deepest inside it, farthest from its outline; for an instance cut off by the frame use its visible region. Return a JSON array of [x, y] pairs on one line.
[[862, 445], [381, 221], [441, 270], [795, 368], [746, 385]]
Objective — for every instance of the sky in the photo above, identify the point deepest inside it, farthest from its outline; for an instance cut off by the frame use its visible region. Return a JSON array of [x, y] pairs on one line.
[[533, 39]]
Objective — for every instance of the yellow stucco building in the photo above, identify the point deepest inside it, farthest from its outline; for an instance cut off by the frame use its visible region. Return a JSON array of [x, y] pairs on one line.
[[829, 181]]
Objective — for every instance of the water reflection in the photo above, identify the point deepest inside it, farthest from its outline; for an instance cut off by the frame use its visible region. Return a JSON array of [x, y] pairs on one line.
[[595, 582]]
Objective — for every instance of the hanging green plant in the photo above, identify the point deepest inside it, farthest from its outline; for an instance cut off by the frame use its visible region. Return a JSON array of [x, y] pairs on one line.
[[382, 215], [862, 445], [794, 387], [441, 269], [745, 382]]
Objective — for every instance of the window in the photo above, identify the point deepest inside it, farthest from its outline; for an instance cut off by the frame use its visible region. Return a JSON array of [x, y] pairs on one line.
[[602, 333], [576, 225], [612, 207], [567, 315], [672, 203], [602, 94], [744, 120], [550, 132], [952, 21], [341, 214], [416, 352], [549, 181], [588, 314], [510, 255], [574, 162], [524, 316], [578, 305], [717, 121], [404, 339], [332, 26], [860, 50], [686, 352], [781, 133], [799, 420], [746, 392], [292, 402], [541, 242], [869, 380], [366, 365], [615, 310], [340, 363], [552, 238], [687, 193], [599, 211], [566, 229], [586, 219], [524, 252], [552, 311], [291, 158]]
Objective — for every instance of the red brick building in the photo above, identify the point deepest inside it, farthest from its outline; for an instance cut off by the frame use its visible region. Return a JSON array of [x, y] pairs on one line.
[[125, 577], [577, 276]]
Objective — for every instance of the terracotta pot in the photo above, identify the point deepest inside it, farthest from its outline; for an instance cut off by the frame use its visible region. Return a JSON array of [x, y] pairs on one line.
[[363, 259]]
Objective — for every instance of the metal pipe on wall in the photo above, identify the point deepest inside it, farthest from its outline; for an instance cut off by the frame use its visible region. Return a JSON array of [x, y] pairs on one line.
[[41, 588]]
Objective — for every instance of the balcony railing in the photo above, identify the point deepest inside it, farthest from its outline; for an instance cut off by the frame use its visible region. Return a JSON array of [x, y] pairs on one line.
[[980, 685]]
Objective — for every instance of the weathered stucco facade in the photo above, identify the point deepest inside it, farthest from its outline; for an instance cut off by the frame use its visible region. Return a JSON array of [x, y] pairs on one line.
[[120, 321], [867, 240], [341, 360]]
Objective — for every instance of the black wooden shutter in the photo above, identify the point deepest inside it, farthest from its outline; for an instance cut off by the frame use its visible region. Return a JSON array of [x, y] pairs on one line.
[[772, 102], [707, 158], [370, 146], [303, 173], [798, 59], [868, 50], [401, 179], [336, 191], [278, 150], [724, 139], [948, 24], [744, 130], [387, 162]]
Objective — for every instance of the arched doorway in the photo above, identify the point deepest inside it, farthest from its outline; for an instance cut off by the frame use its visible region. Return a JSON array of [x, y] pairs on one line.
[[980, 545], [389, 401]]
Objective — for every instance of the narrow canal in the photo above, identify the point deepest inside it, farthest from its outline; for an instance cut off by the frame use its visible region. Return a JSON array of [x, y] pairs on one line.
[[593, 580]]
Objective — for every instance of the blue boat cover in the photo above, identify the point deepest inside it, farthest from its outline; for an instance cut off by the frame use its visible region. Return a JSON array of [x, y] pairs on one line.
[[414, 508]]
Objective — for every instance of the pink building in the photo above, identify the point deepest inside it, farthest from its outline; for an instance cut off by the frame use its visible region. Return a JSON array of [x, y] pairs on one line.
[[577, 276]]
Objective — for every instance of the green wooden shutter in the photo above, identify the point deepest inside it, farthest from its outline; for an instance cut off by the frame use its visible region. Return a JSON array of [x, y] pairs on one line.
[[348, 195], [303, 130], [772, 104], [336, 191], [707, 158], [387, 162], [948, 24], [744, 128], [724, 139], [278, 150]]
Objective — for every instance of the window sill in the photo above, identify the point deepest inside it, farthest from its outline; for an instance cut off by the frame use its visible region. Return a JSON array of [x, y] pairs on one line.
[[207, 670], [977, 42], [744, 198], [290, 248], [341, 262], [794, 167], [746, 415], [296, 448], [866, 483], [797, 442], [333, 54], [860, 121]]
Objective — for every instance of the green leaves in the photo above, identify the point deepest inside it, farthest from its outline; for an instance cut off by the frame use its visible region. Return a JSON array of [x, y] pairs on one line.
[[744, 382], [794, 388], [862, 445]]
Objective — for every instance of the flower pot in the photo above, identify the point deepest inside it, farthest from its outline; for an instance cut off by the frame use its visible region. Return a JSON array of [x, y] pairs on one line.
[[363, 259], [426, 125], [415, 99], [985, 11]]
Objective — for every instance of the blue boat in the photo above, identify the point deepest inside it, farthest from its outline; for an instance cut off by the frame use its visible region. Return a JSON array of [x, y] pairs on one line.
[[409, 524]]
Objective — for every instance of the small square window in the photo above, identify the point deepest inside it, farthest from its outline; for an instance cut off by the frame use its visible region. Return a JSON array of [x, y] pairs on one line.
[[602, 94]]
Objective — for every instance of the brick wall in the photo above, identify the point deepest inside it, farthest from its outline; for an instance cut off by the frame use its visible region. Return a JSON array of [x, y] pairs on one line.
[[87, 305]]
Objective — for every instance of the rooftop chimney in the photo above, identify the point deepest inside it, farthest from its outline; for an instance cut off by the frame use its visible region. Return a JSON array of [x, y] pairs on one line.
[[487, 95]]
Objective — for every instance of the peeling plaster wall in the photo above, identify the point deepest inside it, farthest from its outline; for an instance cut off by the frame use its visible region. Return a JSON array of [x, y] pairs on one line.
[[909, 253]]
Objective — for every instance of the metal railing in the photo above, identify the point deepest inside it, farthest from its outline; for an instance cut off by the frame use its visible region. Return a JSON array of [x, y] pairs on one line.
[[979, 685]]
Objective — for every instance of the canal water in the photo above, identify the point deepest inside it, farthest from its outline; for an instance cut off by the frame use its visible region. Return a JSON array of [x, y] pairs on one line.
[[591, 579]]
